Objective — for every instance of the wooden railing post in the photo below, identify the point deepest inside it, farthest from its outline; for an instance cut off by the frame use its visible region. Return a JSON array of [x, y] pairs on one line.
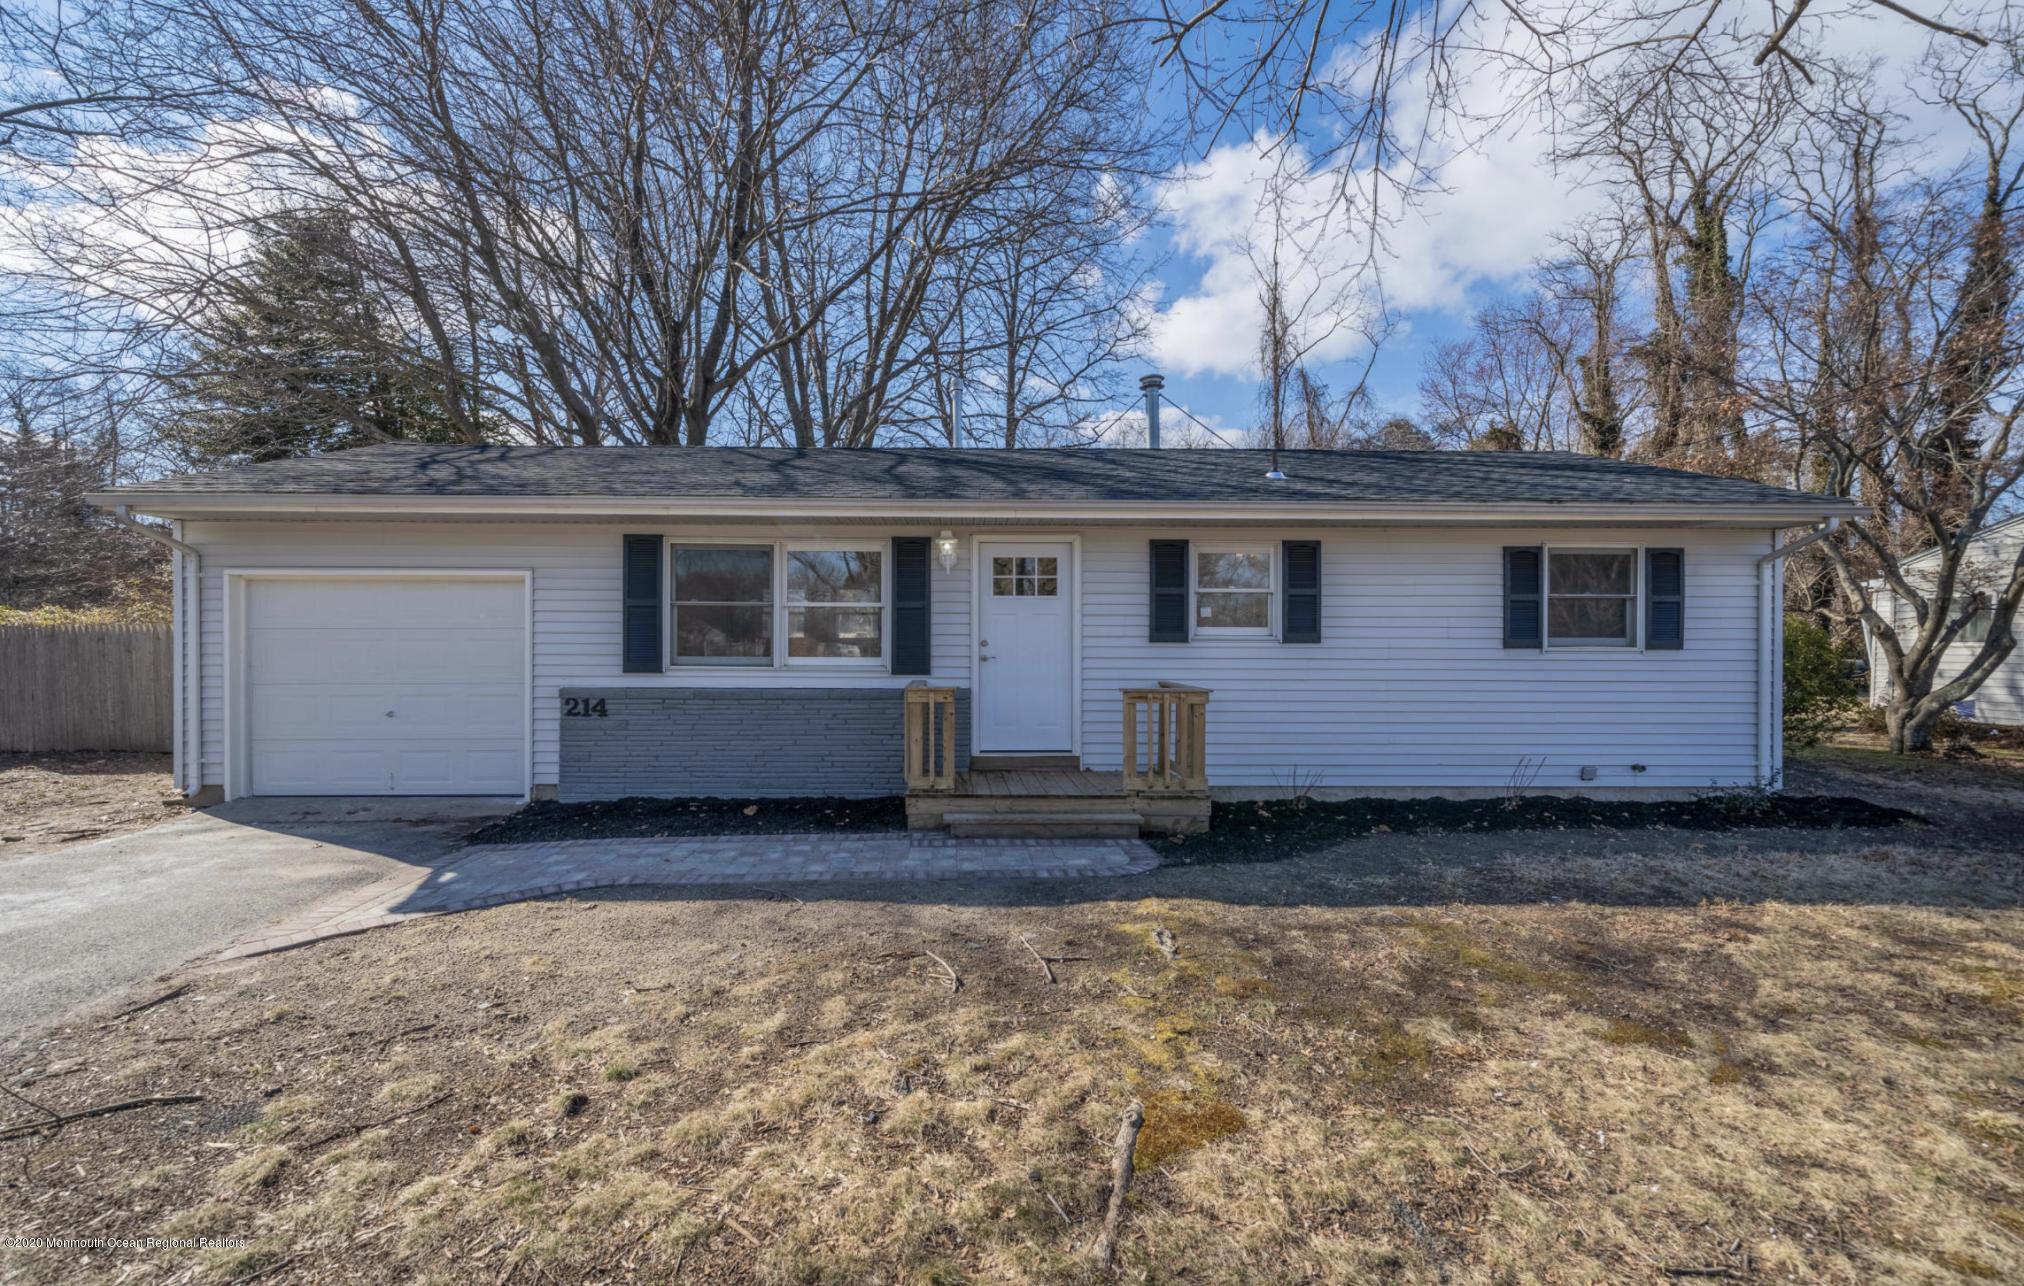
[[930, 715], [1171, 722]]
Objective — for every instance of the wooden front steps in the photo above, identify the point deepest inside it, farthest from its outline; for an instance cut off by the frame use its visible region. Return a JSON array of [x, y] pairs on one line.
[[1025, 763], [1054, 804], [1051, 824]]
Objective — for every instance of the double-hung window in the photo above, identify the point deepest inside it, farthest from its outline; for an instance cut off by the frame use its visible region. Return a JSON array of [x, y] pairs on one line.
[[777, 603], [1591, 598], [835, 604], [722, 602], [1233, 590]]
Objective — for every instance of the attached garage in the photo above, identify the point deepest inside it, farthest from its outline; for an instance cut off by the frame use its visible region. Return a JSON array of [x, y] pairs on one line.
[[378, 683]]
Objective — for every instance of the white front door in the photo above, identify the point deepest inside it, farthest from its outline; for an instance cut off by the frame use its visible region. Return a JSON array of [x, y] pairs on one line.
[[1026, 647]]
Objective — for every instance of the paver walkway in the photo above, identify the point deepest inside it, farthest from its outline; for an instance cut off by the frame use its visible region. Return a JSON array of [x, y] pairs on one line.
[[485, 875]]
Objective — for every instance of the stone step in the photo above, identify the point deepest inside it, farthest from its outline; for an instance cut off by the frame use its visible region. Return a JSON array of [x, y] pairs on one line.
[[1058, 824]]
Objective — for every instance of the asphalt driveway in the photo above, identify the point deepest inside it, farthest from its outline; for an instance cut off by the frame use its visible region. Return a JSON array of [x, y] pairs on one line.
[[84, 922]]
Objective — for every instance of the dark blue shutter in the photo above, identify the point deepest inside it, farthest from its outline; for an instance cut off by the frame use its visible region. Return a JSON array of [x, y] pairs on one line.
[[911, 650], [1522, 607], [1300, 595], [1665, 599], [1169, 607], [640, 626]]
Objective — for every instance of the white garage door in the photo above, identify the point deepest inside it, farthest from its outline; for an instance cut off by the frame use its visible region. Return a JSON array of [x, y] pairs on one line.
[[386, 687]]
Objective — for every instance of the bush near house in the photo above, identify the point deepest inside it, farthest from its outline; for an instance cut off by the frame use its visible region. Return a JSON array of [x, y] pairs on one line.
[[1818, 691]]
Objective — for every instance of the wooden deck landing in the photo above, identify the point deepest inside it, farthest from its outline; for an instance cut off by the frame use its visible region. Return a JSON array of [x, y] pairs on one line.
[[1057, 782]]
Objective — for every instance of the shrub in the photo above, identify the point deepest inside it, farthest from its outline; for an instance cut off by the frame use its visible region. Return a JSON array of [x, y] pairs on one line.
[[1817, 691]]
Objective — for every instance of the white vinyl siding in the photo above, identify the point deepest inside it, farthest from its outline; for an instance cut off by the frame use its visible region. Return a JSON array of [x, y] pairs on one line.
[[2000, 699], [1409, 688], [577, 598]]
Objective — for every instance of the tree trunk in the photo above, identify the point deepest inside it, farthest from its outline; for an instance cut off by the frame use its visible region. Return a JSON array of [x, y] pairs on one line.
[[1910, 729]]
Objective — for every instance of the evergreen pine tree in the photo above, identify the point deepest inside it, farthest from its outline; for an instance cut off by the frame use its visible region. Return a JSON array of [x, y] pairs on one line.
[[302, 360]]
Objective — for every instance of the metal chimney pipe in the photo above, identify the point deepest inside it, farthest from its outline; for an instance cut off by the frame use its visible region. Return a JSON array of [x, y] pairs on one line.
[[1152, 384]]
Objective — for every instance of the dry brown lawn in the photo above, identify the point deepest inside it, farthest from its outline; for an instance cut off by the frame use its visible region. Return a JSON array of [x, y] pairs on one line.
[[1522, 1058], [50, 800]]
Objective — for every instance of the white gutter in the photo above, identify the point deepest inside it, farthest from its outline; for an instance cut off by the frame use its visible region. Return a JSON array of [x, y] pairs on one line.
[[1781, 552], [1771, 652], [186, 572]]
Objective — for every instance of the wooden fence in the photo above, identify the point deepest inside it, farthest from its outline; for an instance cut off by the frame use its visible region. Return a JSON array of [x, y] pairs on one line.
[[85, 687]]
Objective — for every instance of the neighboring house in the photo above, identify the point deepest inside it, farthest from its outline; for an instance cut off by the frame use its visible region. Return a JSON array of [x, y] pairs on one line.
[[586, 623], [2000, 699]]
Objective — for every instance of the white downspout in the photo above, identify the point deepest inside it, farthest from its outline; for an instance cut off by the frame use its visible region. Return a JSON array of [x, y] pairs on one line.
[[1771, 652], [187, 700]]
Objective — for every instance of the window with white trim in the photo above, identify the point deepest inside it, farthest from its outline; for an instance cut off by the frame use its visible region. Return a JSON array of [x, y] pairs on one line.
[[835, 604], [1591, 597], [1976, 630], [777, 603], [1233, 590], [721, 604]]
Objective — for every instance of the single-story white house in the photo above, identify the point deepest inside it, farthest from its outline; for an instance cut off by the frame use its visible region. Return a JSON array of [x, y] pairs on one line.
[[587, 623], [2000, 699]]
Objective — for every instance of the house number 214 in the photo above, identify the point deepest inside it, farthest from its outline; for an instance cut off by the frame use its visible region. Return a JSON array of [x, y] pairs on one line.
[[583, 708]]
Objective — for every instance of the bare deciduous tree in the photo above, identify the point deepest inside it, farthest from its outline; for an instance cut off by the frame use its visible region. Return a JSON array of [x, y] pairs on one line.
[[1893, 363], [602, 222]]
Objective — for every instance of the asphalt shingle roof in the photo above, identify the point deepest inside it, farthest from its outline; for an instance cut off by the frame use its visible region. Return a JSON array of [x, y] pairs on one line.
[[929, 473]]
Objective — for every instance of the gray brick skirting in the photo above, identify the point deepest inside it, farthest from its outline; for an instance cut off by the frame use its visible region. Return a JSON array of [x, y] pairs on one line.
[[739, 742]]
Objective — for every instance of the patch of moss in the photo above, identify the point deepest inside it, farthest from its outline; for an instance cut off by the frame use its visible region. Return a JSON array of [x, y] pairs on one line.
[[1241, 987], [1923, 1041], [1623, 1031], [1999, 989], [1393, 1053], [1967, 1265], [1455, 948], [1725, 1073], [1179, 1121]]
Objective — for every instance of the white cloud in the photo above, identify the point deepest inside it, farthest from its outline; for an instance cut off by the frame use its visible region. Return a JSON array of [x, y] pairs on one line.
[[1499, 204], [1496, 212]]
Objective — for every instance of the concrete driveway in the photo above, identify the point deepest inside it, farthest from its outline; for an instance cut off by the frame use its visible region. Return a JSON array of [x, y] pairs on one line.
[[83, 922]]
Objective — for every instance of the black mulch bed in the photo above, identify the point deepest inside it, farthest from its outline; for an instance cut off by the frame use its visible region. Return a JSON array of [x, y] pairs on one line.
[[1241, 832], [1269, 831], [641, 818]]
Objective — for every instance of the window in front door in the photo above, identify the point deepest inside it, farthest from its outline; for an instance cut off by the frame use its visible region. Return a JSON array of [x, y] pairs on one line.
[[1025, 577]]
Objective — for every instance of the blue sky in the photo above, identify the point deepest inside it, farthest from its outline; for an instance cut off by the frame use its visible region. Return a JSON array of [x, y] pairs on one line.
[[1449, 255], [1468, 245]]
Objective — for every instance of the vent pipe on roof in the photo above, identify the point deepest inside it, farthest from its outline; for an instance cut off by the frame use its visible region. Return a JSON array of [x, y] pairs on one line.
[[1152, 384]]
